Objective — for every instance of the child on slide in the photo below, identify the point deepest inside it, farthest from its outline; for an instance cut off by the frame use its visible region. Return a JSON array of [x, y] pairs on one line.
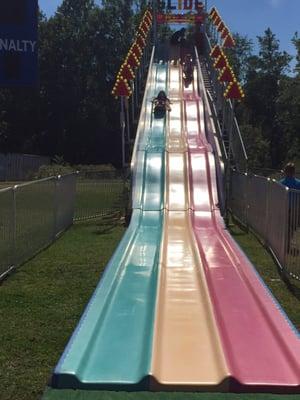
[[161, 102]]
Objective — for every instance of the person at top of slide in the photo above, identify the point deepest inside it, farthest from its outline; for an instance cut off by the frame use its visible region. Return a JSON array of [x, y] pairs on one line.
[[178, 36]]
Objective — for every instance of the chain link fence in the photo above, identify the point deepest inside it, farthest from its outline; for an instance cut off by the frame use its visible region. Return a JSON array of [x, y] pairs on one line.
[[33, 214], [272, 211], [19, 167], [99, 194]]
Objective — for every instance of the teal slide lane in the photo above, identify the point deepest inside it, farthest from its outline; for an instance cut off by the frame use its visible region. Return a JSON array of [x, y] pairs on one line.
[[150, 150], [111, 346]]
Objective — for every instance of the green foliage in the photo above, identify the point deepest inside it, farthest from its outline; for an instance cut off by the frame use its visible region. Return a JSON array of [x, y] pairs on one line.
[[95, 168], [288, 104], [239, 55], [296, 42], [61, 168], [257, 147], [73, 113], [46, 171], [270, 112]]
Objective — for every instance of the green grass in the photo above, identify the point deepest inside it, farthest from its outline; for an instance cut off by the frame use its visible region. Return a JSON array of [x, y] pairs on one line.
[[41, 304], [82, 395]]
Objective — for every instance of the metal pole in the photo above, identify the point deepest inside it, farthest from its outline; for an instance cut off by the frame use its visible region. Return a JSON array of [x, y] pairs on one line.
[[231, 122], [230, 128], [228, 166], [126, 102], [267, 216], [132, 102], [122, 122], [227, 190], [56, 189], [14, 228], [136, 91]]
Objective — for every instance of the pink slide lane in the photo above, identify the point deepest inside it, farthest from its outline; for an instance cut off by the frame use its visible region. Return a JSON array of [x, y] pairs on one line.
[[261, 348]]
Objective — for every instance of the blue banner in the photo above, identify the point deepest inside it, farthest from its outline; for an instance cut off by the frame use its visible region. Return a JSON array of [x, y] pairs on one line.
[[18, 43]]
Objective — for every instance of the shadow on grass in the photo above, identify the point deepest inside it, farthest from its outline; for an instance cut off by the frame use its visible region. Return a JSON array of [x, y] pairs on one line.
[[109, 222]]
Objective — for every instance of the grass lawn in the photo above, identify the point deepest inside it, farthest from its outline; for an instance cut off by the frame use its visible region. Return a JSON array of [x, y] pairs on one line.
[[81, 395], [41, 304]]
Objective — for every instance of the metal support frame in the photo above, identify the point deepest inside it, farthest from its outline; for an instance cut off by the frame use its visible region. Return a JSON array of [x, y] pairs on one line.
[[132, 102], [122, 123], [126, 104]]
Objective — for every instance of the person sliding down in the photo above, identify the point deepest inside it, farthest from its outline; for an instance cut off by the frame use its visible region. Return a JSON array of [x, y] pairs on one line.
[[188, 69], [161, 102]]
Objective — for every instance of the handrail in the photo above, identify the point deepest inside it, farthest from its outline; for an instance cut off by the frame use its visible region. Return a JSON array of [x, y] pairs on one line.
[[240, 135], [6, 189], [231, 108], [217, 123], [211, 131]]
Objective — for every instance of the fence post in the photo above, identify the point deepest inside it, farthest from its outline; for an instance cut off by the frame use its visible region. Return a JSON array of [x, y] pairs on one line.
[[246, 202], [56, 184], [268, 196], [286, 230], [228, 189], [14, 227], [123, 127]]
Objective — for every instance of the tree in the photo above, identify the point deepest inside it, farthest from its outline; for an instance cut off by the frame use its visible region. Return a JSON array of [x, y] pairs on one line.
[[289, 107], [239, 55], [296, 42], [257, 147], [73, 113], [262, 87]]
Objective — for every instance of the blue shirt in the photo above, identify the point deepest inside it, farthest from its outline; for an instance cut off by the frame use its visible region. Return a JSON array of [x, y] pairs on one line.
[[291, 183]]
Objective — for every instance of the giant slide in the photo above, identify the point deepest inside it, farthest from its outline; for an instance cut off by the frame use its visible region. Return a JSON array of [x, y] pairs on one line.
[[180, 307]]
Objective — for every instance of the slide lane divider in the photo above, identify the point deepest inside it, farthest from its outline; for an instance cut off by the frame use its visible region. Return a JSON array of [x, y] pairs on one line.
[[262, 351]]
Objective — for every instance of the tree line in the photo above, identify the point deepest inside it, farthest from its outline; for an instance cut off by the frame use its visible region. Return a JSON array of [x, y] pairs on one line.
[[269, 116], [72, 114]]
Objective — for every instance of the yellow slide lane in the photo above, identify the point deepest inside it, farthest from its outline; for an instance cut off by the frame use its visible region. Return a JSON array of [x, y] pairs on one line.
[[187, 351]]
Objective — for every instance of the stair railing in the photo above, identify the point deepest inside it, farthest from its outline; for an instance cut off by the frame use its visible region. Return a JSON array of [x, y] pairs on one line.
[[211, 132], [223, 111]]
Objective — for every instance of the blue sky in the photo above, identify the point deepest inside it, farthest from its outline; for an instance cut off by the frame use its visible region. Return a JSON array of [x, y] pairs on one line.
[[248, 17]]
